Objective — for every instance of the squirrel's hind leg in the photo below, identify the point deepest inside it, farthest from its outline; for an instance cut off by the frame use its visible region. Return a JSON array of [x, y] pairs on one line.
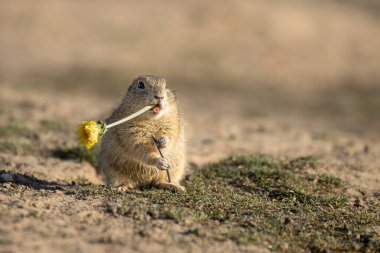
[[174, 187], [120, 187]]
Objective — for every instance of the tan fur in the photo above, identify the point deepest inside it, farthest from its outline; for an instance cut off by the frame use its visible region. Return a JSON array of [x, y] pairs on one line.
[[128, 156]]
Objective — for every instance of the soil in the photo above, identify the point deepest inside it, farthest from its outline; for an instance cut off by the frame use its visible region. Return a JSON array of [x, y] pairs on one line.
[[36, 223]]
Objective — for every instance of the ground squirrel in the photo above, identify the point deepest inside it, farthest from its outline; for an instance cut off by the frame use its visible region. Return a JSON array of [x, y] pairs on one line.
[[128, 155]]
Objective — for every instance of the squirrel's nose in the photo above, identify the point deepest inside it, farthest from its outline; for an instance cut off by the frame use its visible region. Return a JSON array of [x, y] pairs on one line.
[[159, 97]]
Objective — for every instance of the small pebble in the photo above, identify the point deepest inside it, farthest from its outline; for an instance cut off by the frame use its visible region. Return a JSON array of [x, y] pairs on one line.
[[6, 177]]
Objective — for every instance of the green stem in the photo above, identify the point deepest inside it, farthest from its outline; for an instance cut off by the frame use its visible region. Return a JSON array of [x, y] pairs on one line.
[[134, 115]]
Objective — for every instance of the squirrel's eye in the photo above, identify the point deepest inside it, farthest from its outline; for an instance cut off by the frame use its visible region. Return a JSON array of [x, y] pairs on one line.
[[141, 85]]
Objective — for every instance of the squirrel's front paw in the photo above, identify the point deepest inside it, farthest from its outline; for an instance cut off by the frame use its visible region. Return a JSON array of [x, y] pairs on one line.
[[162, 142], [162, 164]]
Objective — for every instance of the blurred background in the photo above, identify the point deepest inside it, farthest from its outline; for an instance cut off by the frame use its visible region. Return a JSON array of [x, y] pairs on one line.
[[318, 60]]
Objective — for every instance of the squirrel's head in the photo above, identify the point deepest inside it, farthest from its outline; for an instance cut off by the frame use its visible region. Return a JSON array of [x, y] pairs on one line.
[[149, 90]]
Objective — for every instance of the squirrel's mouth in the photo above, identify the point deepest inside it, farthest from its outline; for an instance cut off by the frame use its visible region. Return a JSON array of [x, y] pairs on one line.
[[156, 109]]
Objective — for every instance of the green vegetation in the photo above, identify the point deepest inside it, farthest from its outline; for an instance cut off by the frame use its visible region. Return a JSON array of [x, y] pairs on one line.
[[77, 153], [255, 199], [16, 147], [17, 139], [51, 125], [14, 130]]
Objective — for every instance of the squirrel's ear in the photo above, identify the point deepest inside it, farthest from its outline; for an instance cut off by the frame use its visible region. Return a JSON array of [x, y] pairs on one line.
[[130, 87]]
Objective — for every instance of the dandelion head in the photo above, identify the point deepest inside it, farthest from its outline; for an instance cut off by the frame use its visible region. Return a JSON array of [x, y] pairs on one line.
[[88, 133]]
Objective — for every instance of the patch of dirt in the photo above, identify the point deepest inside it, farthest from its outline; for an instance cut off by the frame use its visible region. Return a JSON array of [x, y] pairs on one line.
[[38, 216]]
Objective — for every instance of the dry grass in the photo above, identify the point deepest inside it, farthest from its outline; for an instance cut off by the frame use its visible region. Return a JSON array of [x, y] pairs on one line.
[[257, 200]]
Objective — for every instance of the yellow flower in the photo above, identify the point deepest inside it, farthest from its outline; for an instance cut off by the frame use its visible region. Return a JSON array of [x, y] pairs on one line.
[[89, 132]]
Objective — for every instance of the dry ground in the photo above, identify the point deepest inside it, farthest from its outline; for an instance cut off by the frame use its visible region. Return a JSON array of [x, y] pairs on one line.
[[41, 216]]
